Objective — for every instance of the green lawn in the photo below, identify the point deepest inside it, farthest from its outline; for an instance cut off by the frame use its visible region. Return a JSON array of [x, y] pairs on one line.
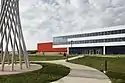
[[44, 58], [45, 75], [39, 58], [116, 66]]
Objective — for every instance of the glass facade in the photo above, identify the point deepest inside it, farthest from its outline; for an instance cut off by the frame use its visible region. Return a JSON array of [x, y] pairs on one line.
[[93, 41], [64, 39], [97, 50], [94, 34], [85, 50], [59, 40]]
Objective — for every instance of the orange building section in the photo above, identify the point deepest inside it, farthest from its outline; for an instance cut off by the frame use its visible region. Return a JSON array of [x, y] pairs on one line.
[[47, 47]]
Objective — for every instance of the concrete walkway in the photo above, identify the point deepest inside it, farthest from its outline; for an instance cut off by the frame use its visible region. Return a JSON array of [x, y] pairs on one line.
[[80, 73]]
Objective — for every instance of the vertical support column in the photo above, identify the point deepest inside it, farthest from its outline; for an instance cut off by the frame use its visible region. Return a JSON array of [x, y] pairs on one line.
[[103, 50], [71, 51], [67, 50]]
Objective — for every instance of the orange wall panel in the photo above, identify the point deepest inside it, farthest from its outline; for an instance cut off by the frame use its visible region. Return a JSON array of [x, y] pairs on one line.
[[47, 47]]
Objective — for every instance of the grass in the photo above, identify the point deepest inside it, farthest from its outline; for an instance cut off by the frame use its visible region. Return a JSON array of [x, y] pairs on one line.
[[45, 58], [38, 58], [45, 75], [115, 66]]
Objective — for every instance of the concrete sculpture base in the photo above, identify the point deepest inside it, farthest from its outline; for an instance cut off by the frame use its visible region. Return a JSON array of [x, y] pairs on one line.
[[7, 69]]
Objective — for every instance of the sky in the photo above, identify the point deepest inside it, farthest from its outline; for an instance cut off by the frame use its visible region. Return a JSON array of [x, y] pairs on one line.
[[41, 19]]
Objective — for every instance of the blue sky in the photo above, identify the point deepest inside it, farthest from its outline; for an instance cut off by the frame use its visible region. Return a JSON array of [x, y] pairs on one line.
[[43, 18]]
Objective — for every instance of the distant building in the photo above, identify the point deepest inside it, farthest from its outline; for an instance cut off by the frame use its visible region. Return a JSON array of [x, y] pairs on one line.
[[46, 48], [110, 40]]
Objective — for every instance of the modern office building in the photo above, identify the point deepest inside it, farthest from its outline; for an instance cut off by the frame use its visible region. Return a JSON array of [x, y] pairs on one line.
[[110, 40]]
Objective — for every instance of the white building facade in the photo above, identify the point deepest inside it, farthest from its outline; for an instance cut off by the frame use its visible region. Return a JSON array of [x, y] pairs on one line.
[[110, 40]]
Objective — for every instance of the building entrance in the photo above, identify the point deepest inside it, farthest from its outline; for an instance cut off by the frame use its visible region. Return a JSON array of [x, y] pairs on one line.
[[85, 50]]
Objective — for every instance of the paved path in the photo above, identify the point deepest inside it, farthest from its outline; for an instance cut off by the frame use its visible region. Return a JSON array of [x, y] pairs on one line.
[[80, 73]]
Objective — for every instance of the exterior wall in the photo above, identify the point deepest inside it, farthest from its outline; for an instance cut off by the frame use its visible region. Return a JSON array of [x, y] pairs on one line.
[[47, 47], [115, 49], [91, 44], [97, 50], [97, 37], [86, 50], [93, 30], [105, 37]]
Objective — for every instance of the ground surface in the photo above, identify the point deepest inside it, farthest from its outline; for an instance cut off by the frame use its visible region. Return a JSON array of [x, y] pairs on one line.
[[8, 70], [115, 66], [45, 75], [80, 73], [38, 58], [46, 58]]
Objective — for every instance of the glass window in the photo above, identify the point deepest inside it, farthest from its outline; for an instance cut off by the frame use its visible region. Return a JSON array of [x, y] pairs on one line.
[[63, 39]]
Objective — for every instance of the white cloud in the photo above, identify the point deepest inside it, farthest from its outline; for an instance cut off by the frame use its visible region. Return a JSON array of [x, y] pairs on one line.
[[43, 18]]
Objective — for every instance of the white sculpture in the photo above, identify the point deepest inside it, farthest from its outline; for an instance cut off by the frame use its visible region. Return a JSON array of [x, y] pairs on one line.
[[11, 33]]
